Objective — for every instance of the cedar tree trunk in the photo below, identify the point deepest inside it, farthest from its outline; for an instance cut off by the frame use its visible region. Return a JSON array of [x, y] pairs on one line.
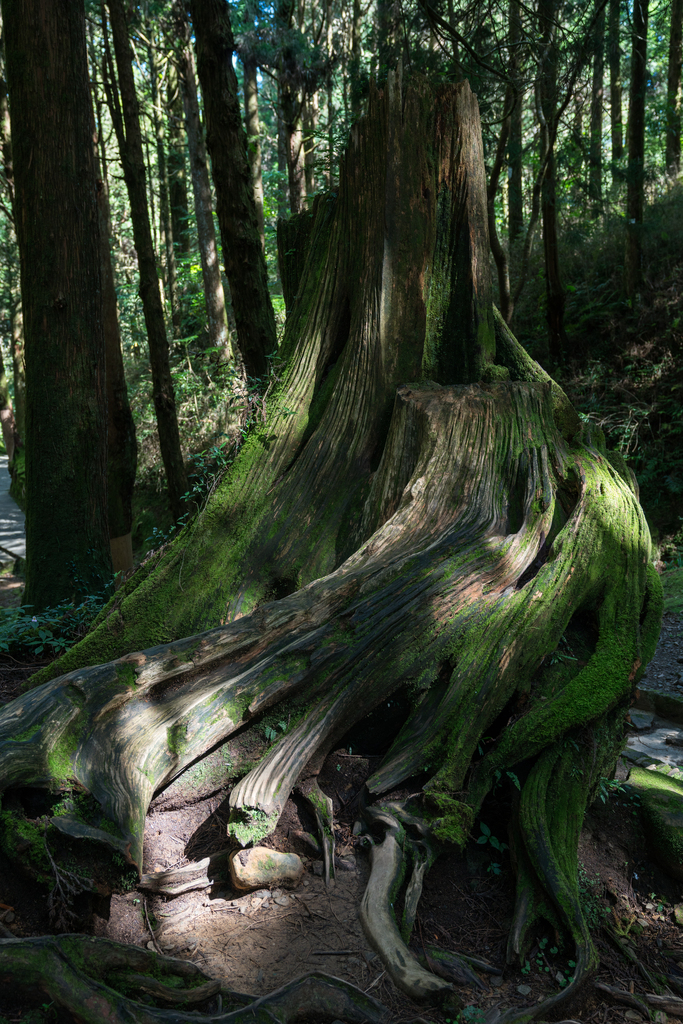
[[443, 537], [58, 234], [214, 296], [245, 263], [615, 88], [673, 91], [595, 153], [251, 119], [126, 118], [635, 175]]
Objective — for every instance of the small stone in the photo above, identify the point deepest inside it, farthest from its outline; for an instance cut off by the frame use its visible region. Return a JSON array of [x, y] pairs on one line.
[[306, 882], [643, 922], [282, 901], [250, 869], [9, 917], [678, 913], [524, 990], [346, 863], [559, 978], [318, 868], [496, 981], [659, 1017], [632, 1015], [150, 945]]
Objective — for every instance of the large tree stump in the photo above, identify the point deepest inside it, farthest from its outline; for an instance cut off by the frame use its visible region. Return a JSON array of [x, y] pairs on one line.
[[455, 536]]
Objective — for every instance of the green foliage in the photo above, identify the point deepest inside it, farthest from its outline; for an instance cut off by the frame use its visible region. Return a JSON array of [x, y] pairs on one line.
[[47, 634], [590, 891], [486, 837]]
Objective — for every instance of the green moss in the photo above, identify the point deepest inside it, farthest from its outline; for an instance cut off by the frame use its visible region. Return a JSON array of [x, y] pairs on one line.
[[453, 822], [662, 810], [672, 582], [250, 825], [126, 673]]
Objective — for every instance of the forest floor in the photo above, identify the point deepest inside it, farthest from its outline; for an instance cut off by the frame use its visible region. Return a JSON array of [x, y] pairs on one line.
[[258, 940]]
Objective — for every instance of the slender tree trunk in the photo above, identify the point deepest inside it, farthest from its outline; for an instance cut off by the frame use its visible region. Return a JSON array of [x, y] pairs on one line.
[[635, 183], [499, 254], [673, 91], [354, 63], [595, 155], [515, 189], [127, 124], [245, 264], [330, 96], [177, 177], [58, 234], [292, 109], [17, 342], [122, 452], [251, 118], [547, 109], [615, 89], [388, 34], [10, 430], [164, 202], [214, 296], [310, 125]]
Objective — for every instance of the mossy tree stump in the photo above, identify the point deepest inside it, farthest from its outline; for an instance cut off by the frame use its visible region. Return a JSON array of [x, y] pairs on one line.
[[458, 536]]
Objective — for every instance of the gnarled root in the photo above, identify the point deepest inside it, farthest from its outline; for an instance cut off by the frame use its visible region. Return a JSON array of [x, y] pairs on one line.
[[65, 969]]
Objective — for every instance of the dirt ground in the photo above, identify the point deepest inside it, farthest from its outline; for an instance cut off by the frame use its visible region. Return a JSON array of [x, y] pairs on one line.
[[258, 940]]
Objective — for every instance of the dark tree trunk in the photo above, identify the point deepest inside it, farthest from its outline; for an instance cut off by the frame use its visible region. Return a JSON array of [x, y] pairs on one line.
[[177, 176], [164, 200], [635, 175], [126, 118], [515, 191], [595, 154], [547, 111], [10, 429], [499, 254], [371, 534], [245, 264], [673, 91], [614, 54], [254, 140], [214, 296], [58, 235], [122, 452]]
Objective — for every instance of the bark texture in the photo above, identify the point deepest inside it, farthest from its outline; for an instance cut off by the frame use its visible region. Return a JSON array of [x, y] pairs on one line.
[[615, 88], [443, 537], [58, 233], [251, 118], [595, 154], [245, 264]]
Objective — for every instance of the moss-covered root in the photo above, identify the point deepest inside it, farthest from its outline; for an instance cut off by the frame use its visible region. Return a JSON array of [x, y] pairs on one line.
[[65, 968], [551, 811], [379, 923]]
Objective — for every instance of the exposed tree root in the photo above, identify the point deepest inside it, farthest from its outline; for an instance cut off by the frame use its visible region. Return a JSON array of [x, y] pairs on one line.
[[86, 975]]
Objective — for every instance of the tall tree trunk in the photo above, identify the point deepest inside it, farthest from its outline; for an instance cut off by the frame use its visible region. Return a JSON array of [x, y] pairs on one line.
[[177, 177], [614, 55], [214, 296], [291, 101], [58, 234], [330, 96], [515, 190], [310, 125], [158, 121], [245, 264], [499, 254], [443, 538], [547, 110], [10, 429], [595, 155], [673, 91], [122, 451], [354, 63], [388, 34], [635, 182], [126, 118], [17, 343], [251, 118]]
